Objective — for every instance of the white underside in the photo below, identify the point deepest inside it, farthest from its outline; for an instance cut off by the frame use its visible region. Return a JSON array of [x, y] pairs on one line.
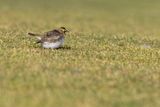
[[53, 45]]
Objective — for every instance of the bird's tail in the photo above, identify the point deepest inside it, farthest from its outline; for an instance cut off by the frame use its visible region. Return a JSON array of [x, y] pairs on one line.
[[36, 35], [33, 34]]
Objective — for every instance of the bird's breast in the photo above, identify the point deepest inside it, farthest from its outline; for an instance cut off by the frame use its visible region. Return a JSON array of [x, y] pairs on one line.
[[53, 45]]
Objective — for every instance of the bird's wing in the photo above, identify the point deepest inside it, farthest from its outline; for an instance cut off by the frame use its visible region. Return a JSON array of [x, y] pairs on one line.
[[54, 32], [52, 36]]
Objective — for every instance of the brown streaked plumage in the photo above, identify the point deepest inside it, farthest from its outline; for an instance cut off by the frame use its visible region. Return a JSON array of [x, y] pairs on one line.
[[54, 36]]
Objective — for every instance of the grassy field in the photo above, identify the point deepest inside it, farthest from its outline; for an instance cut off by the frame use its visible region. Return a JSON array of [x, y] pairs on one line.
[[111, 57]]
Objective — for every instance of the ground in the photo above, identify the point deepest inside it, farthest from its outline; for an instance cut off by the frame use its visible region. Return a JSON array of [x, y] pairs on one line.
[[111, 57]]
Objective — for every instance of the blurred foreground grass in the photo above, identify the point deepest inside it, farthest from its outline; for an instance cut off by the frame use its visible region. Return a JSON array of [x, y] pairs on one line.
[[111, 57]]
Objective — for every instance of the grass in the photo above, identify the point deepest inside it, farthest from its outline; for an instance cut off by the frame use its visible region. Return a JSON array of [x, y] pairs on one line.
[[111, 57]]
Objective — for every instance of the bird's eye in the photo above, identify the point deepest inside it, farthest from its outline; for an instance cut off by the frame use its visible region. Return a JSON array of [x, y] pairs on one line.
[[63, 28]]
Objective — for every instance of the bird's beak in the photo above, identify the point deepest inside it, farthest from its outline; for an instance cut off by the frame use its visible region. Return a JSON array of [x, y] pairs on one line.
[[67, 30]]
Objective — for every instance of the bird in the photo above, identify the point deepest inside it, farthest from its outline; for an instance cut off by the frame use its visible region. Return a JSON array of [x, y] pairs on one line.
[[52, 39]]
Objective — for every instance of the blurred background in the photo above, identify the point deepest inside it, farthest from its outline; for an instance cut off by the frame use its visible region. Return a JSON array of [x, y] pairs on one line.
[[113, 59], [83, 15]]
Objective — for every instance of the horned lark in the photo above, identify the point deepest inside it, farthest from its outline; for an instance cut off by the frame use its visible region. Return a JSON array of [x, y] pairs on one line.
[[51, 39]]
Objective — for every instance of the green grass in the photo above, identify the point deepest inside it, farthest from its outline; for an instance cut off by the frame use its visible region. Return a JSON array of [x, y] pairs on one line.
[[111, 57]]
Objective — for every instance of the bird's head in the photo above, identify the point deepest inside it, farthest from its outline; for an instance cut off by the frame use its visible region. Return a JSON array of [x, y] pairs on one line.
[[63, 29]]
